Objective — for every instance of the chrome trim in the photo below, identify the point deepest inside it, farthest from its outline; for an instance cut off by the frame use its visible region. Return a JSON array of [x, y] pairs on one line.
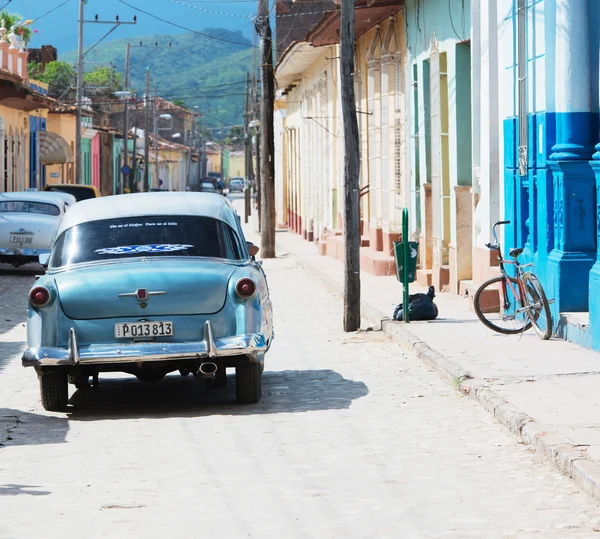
[[135, 294], [252, 345], [23, 252], [73, 350], [209, 339]]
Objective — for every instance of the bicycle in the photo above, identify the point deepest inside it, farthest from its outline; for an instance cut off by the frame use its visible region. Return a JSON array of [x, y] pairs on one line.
[[517, 302]]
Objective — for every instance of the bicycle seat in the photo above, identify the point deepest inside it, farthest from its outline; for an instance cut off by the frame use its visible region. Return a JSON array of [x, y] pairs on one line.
[[515, 252]]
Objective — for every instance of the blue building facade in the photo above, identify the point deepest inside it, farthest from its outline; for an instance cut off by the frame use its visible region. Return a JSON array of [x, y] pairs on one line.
[[548, 79], [37, 124]]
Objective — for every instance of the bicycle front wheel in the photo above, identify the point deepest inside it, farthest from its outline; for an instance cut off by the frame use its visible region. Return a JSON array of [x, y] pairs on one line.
[[500, 306], [537, 305]]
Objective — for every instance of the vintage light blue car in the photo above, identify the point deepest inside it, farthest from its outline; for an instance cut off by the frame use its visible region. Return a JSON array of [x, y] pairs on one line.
[[149, 284]]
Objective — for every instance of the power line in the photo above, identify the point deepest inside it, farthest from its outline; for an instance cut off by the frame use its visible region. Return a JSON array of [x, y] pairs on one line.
[[211, 10], [52, 10], [181, 26]]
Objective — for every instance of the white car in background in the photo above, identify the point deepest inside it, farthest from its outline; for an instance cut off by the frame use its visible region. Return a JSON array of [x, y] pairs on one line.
[[28, 223]]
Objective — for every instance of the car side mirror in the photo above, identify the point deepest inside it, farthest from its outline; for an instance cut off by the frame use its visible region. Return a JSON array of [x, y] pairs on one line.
[[253, 249], [44, 259]]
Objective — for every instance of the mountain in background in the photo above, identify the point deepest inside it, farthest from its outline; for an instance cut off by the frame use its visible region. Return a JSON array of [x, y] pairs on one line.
[[197, 70]]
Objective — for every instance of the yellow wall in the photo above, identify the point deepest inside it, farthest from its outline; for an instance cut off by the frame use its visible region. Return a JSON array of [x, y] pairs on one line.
[[64, 125], [237, 165], [213, 162]]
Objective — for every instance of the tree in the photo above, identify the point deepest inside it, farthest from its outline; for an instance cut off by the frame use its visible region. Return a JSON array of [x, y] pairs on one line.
[[104, 78], [60, 78], [180, 103], [34, 70]]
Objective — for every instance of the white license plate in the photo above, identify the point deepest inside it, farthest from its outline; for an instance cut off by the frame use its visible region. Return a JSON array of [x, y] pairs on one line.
[[21, 239], [132, 330]]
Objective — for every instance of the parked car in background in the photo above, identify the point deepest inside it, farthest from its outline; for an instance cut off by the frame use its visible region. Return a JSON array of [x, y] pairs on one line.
[[28, 222], [80, 192], [236, 184], [175, 287], [207, 187]]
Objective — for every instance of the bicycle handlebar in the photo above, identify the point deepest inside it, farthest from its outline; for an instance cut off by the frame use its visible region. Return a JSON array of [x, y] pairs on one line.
[[494, 229]]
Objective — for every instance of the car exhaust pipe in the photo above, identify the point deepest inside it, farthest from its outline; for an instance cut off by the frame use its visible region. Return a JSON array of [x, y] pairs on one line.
[[207, 369]]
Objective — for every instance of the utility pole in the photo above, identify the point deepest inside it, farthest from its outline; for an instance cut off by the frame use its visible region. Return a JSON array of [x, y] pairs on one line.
[[258, 176], [267, 201], [126, 115], [147, 133], [351, 171], [156, 182], [80, 55], [78, 157], [190, 145], [247, 152]]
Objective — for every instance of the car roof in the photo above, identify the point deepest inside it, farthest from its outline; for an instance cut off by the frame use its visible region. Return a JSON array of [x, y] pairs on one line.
[[146, 204], [36, 196]]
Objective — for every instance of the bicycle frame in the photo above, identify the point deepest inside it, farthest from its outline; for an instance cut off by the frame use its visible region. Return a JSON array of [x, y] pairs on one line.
[[506, 278]]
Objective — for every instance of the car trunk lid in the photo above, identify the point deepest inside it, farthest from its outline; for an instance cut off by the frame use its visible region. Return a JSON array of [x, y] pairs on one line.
[[27, 230], [144, 288]]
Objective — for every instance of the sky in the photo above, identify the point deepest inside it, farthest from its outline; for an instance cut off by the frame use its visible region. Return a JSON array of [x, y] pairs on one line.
[[59, 28]]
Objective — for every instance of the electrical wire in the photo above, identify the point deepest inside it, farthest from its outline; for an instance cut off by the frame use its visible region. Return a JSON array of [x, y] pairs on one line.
[[5, 5], [452, 23], [36, 19], [211, 10], [181, 26]]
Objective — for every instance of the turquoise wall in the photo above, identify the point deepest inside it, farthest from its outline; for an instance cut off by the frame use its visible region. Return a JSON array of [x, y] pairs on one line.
[[86, 151], [449, 19]]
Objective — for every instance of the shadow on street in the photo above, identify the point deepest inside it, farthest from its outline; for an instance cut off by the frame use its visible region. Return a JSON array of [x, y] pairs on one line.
[[283, 392], [19, 428], [14, 490], [8, 351], [28, 270]]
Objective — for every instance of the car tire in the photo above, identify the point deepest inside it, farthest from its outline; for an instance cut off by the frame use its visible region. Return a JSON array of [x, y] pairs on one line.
[[54, 390], [248, 383]]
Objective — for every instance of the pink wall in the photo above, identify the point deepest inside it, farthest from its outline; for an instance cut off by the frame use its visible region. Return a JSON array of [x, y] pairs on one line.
[[96, 161]]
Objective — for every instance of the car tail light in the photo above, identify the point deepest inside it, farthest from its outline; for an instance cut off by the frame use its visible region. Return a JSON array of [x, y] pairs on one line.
[[245, 288], [39, 296]]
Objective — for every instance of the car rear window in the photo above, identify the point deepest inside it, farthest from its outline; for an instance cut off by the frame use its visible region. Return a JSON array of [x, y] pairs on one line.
[[80, 193], [25, 206], [182, 236]]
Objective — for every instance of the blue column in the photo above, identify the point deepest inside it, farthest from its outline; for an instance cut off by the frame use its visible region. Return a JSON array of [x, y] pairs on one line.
[[594, 292], [573, 180]]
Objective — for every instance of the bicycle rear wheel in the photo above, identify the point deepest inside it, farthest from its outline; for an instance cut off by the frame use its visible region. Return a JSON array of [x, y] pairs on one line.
[[500, 312], [538, 306]]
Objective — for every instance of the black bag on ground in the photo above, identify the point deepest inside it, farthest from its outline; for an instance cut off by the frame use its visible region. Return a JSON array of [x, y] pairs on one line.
[[420, 307]]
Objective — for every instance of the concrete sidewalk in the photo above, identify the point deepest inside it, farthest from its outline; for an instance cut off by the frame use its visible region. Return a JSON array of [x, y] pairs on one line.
[[546, 392]]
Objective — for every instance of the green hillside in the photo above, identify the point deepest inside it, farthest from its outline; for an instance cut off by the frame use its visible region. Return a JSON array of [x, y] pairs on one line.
[[194, 69]]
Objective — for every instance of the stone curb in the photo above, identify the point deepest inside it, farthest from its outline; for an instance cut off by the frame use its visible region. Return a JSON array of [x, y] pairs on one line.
[[567, 458]]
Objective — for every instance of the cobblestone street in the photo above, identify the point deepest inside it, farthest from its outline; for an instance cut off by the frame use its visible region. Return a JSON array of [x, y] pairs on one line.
[[354, 438]]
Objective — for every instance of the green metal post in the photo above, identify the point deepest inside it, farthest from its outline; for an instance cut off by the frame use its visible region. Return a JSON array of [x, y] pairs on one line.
[[405, 247]]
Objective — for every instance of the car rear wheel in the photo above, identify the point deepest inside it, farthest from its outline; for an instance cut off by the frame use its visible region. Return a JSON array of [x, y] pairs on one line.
[[248, 383], [54, 390]]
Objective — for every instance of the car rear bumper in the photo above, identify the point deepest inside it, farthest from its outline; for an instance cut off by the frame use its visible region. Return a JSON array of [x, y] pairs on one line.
[[252, 345], [10, 251]]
